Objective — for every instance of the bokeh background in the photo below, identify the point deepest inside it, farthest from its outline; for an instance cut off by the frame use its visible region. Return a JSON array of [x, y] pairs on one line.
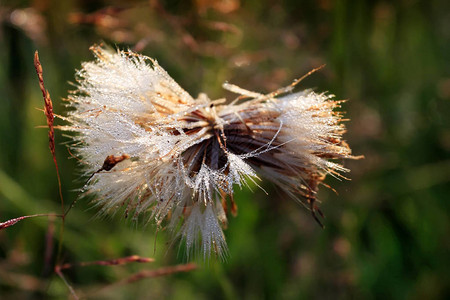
[[387, 230]]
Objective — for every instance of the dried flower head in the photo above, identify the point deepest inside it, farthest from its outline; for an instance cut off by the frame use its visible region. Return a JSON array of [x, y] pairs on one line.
[[149, 146]]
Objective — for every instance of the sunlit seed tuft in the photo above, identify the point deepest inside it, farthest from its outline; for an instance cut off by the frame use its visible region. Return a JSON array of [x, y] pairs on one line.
[[176, 156]]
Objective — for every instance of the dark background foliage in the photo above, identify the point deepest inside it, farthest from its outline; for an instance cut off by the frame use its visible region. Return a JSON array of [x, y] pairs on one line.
[[387, 231]]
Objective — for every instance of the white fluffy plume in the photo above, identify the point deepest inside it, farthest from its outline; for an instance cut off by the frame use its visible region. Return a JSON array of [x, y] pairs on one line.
[[149, 146]]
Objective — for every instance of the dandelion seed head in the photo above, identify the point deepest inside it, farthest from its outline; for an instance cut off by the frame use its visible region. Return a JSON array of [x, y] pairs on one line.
[[181, 158]]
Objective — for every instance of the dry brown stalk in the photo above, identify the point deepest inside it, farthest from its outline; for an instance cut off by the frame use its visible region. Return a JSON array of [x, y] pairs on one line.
[[159, 272], [48, 110], [111, 262], [11, 222]]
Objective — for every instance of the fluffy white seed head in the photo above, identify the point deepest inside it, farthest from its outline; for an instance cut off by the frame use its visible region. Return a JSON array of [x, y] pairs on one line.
[[148, 145]]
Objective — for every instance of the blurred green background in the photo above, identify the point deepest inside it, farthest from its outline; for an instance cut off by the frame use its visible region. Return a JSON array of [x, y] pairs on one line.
[[387, 231]]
